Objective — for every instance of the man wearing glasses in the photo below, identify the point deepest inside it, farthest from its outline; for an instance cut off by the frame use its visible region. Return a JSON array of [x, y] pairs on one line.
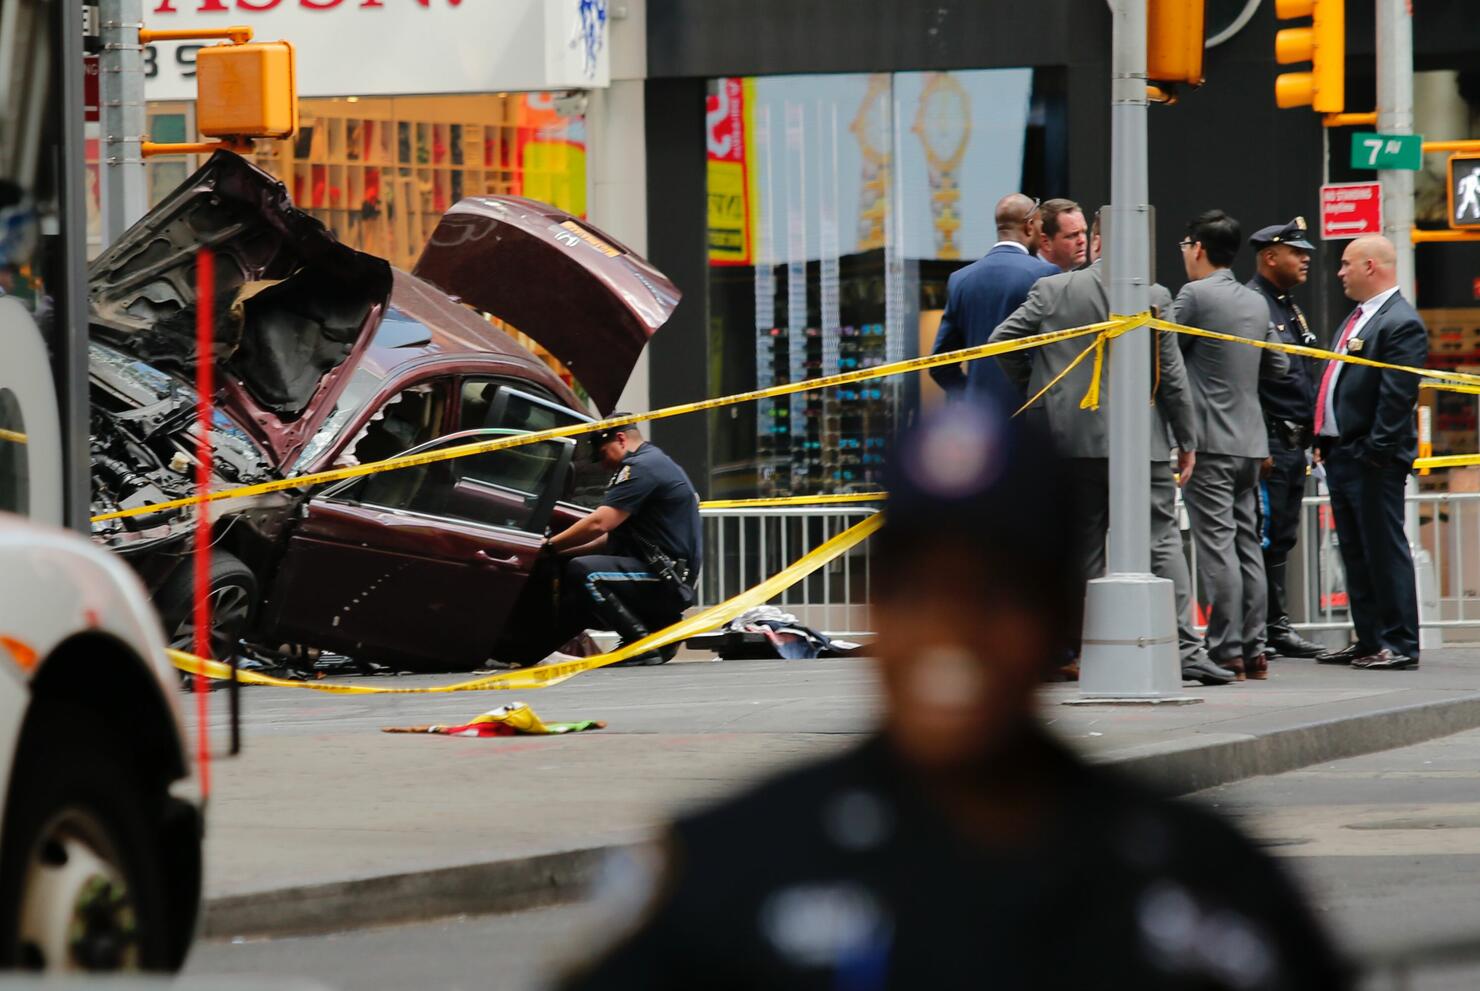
[[984, 293], [1222, 495]]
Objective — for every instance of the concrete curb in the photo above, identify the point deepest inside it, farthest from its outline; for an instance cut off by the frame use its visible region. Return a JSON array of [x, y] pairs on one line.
[[486, 888], [516, 884], [1211, 759]]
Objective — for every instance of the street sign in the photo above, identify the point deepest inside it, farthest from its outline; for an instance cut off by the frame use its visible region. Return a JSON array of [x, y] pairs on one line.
[[1350, 209], [1464, 191], [1387, 151]]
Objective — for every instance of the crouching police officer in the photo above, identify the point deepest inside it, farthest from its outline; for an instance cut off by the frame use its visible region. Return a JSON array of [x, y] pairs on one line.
[[962, 845], [1289, 403], [634, 560]]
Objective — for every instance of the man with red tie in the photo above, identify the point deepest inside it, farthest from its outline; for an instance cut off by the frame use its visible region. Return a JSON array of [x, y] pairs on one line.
[[1367, 439]]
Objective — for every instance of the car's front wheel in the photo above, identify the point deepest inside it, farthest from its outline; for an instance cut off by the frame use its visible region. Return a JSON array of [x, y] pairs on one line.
[[81, 882], [233, 597]]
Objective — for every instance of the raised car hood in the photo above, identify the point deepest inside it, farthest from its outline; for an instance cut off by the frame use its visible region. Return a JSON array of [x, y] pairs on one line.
[[584, 297], [293, 307]]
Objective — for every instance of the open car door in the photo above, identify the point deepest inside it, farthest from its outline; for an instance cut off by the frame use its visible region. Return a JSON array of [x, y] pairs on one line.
[[421, 566]]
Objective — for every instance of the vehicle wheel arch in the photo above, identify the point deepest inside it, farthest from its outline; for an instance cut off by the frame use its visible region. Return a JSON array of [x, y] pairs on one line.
[[102, 674]]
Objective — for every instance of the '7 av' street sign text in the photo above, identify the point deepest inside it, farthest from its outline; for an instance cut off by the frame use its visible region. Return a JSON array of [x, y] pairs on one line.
[[1387, 151]]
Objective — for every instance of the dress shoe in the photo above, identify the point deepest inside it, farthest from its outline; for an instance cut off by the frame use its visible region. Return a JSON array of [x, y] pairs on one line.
[[1206, 671], [1235, 665], [651, 658], [1386, 660], [1285, 642], [1257, 667], [1345, 655]]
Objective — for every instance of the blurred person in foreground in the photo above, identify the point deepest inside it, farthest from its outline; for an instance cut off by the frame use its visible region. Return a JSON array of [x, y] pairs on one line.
[[962, 845]]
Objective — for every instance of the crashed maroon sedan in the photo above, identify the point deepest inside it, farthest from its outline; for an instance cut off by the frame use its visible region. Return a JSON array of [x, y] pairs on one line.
[[326, 356]]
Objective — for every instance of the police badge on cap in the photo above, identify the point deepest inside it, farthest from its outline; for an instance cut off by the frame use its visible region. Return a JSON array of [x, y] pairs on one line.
[[1294, 234]]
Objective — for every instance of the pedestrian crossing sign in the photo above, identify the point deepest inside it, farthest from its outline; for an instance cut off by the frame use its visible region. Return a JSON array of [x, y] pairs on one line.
[[1464, 191]]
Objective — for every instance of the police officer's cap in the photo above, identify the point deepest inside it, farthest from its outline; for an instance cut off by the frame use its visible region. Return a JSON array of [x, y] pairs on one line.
[[971, 476], [600, 437], [1294, 234]]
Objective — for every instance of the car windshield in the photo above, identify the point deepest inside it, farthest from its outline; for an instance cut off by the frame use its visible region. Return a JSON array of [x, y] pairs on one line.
[[395, 330]]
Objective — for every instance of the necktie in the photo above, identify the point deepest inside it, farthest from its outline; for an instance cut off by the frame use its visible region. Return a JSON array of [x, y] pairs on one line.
[[1331, 369]]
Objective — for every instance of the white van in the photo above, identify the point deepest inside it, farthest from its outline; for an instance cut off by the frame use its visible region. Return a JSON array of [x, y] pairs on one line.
[[100, 850]]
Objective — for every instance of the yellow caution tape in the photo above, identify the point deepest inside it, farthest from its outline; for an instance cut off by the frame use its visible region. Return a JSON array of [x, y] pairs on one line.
[[552, 674], [576, 429], [1437, 376], [803, 500], [12, 436]]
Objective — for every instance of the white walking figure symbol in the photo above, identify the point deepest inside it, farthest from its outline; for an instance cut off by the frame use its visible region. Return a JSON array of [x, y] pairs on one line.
[[1468, 189]]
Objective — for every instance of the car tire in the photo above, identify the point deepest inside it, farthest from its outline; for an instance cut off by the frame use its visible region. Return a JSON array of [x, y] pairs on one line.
[[233, 590], [80, 853]]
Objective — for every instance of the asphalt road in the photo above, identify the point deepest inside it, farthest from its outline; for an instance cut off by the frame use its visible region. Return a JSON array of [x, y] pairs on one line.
[[1387, 845]]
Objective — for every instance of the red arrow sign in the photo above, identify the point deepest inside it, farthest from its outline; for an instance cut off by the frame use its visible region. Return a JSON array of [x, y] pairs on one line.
[[1350, 209]]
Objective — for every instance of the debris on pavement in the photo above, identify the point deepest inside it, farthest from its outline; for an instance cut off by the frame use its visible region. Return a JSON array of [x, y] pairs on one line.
[[513, 719]]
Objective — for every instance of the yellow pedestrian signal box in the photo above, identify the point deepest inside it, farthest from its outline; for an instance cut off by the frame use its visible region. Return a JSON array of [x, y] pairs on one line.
[[1323, 45], [247, 91], [1175, 41]]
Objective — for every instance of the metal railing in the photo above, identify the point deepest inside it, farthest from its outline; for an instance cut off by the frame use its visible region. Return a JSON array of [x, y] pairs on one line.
[[745, 546], [1445, 529]]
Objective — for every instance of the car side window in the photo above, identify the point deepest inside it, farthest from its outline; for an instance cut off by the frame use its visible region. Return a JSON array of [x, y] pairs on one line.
[[409, 418], [15, 478], [501, 488], [519, 411]]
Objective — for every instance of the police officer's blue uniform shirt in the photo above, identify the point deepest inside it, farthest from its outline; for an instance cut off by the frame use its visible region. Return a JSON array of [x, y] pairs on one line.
[[1292, 396], [663, 507]]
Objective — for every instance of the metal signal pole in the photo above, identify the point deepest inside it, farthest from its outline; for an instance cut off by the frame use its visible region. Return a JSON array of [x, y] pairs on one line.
[[1129, 651]]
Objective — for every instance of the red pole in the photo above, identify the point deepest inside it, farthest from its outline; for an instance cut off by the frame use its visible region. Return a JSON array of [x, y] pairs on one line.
[[205, 339]]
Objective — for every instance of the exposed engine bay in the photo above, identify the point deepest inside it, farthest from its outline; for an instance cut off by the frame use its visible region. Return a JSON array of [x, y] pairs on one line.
[[143, 448]]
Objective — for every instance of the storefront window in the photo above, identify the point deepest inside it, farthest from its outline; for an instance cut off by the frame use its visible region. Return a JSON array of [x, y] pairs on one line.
[[838, 206]]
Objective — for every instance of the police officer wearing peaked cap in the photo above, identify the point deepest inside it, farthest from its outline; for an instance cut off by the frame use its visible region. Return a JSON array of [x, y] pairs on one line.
[[1283, 255], [634, 560], [961, 844]]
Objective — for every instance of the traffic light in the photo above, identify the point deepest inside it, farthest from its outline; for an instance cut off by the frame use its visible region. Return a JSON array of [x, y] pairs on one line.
[[1175, 41], [1323, 45], [246, 91]]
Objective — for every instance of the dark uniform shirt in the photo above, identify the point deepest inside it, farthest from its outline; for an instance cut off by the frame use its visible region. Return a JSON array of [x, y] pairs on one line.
[[663, 507], [845, 876], [1292, 396]]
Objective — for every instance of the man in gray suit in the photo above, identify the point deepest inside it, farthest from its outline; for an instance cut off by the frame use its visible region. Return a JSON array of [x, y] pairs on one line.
[[1222, 497], [1074, 299]]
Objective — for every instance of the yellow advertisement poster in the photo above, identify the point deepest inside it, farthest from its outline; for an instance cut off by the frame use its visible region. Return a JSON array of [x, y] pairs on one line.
[[731, 173]]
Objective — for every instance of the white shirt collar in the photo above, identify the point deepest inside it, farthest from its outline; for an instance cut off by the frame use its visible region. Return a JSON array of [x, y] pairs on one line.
[[1374, 304], [1011, 244]]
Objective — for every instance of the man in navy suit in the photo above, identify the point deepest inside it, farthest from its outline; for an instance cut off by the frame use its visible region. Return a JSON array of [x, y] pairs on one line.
[[1367, 439], [986, 292]]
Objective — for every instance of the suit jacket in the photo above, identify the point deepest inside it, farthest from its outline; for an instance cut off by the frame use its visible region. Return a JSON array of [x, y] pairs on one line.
[[1374, 406], [1074, 299], [978, 298], [1225, 376]]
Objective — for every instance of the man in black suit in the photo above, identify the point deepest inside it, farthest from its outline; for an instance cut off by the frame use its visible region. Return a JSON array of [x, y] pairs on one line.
[[986, 292], [1367, 440]]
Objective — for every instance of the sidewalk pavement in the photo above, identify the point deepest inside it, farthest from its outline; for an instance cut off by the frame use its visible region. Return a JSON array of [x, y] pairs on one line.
[[326, 823]]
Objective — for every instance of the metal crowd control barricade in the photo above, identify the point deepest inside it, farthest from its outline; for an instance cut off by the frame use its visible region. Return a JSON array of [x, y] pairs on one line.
[[742, 546], [1447, 551]]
